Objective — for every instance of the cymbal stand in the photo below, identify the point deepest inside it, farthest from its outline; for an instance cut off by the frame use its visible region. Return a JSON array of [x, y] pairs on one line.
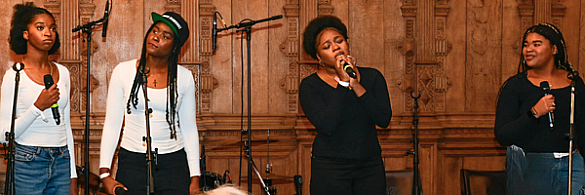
[[264, 187]]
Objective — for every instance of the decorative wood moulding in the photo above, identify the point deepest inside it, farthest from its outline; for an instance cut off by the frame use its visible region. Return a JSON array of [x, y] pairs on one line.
[[208, 81], [206, 10], [442, 10], [408, 10], [325, 9], [291, 10], [86, 9], [424, 70], [290, 47]]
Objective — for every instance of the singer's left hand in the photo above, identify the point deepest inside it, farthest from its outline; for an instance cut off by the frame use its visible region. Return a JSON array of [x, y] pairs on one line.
[[194, 186]]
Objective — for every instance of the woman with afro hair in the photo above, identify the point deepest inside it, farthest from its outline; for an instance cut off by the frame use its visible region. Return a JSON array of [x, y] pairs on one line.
[[346, 156], [44, 160]]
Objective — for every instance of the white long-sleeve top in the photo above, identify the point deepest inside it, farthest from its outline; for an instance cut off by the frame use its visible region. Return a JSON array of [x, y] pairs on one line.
[[29, 127], [135, 124]]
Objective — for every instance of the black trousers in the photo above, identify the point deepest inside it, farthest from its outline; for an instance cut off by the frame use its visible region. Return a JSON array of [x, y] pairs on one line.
[[171, 175], [347, 177]]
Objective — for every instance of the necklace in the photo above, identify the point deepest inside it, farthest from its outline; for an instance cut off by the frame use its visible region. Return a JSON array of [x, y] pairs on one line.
[[35, 80], [154, 82]]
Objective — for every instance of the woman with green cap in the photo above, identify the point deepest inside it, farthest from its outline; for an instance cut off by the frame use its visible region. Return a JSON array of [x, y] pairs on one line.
[[171, 95]]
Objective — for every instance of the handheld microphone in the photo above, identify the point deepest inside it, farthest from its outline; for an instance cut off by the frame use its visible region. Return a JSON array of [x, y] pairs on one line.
[[299, 184], [546, 88], [120, 191], [349, 70], [107, 19], [214, 31], [55, 107]]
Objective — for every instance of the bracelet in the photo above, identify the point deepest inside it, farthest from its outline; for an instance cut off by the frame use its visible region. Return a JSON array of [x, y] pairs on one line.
[[534, 112], [104, 175]]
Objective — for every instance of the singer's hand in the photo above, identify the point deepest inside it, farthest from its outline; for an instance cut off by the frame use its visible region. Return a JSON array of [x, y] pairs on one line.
[[354, 84], [47, 98], [111, 184], [545, 105], [353, 62], [194, 186], [74, 190]]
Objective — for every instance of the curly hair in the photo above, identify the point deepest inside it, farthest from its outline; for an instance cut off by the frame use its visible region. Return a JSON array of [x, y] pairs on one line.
[[22, 17], [315, 27], [554, 35], [172, 93]]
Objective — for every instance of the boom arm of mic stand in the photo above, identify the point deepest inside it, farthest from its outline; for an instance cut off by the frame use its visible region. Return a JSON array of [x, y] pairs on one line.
[[247, 23], [89, 25]]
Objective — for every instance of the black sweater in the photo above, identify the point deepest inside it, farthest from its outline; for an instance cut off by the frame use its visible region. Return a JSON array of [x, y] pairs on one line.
[[346, 124], [515, 126]]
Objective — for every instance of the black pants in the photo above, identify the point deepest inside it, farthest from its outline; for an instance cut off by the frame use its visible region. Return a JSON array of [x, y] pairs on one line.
[[171, 175], [347, 177]]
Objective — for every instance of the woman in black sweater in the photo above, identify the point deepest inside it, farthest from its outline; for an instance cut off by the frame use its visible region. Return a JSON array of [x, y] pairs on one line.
[[346, 156], [537, 158]]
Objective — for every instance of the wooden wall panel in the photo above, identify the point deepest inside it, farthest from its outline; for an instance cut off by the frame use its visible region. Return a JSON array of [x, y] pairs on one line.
[[278, 62], [224, 95], [393, 56], [455, 52], [580, 62], [484, 40], [511, 40], [7, 54]]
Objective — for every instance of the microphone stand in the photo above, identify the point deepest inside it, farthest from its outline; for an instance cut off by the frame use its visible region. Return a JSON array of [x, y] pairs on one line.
[[87, 29], [9, 188], [150, 155], [247, 24], [203, 165], [571, 128], [416, 182]]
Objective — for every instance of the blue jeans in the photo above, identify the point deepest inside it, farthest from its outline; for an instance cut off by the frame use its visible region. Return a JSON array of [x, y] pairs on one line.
[[41, 170], [542, 173]]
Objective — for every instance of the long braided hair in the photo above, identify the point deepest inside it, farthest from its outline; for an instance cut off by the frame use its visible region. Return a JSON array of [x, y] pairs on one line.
[[171, 108], [554, 35]]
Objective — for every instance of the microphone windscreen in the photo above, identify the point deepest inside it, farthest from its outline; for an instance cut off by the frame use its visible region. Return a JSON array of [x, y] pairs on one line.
[[48, 81], [298, 180], [545, 86]]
